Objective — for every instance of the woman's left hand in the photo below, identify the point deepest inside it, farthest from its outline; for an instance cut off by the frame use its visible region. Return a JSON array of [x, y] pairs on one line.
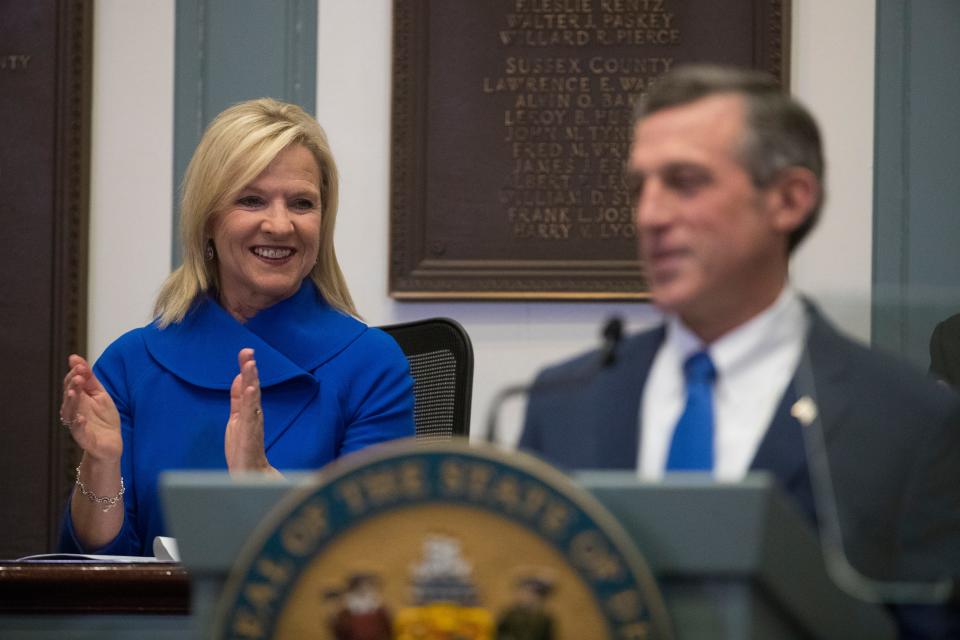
[[243, 441]]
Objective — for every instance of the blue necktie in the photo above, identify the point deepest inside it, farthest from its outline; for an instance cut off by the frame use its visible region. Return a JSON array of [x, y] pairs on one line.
[[692, 446]]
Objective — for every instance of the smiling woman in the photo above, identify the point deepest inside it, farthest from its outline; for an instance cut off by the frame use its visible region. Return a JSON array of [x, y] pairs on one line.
[[255, 361], [268, 239]]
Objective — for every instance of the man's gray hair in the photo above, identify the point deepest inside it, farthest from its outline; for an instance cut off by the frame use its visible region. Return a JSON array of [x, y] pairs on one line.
[[780, 132]]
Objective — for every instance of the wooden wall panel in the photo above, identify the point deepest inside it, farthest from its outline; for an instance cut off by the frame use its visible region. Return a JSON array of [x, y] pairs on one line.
[[45, 82]]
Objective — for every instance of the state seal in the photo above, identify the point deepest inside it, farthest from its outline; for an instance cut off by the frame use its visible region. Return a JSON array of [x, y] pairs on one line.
[[440, 541]]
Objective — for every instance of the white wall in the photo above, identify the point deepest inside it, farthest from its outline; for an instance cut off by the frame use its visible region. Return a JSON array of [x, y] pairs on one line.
[[832, 66], [833, 73], [131, 169]]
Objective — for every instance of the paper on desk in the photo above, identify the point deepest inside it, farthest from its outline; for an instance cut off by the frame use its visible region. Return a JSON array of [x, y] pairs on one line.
[[164, 550]]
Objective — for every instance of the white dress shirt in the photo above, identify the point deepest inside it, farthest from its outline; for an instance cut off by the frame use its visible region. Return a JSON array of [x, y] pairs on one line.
[[755, 362]]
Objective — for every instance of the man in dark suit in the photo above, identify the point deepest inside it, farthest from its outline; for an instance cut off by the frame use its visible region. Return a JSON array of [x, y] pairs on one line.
[[945, 351], [726, 175]]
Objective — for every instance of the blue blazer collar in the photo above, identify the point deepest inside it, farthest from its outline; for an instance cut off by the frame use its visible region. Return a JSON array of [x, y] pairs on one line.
[[291, 339]]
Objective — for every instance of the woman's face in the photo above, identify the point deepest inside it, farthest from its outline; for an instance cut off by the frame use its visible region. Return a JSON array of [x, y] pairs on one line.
[[268, 238]]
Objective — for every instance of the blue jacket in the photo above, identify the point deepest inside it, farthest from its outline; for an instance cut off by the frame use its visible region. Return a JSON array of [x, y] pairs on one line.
[[329, 385]]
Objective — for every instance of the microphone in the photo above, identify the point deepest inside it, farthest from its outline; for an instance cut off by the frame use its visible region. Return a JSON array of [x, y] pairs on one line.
[[838, 565], [611, 335]]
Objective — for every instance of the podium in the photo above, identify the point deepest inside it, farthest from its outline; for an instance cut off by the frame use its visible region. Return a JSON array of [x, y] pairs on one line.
[[93, 601], [733, 561]]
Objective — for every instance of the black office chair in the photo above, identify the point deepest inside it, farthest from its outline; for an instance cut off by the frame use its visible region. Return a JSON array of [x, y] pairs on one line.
[[441, 362]]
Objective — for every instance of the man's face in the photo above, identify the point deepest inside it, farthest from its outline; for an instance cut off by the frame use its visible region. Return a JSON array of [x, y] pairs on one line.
[[707, 234]]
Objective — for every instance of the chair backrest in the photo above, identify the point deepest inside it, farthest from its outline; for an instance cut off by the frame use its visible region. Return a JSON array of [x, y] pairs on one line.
[[441, 363]]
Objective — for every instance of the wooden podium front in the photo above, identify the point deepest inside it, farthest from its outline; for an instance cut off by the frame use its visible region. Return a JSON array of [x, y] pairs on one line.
[[69, 599], [81, 587]]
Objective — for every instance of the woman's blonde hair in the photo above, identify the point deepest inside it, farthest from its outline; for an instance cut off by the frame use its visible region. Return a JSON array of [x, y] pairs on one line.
[[236, 147]]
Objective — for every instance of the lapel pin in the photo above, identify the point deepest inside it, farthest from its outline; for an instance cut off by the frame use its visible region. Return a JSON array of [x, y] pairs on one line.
[[804, 410]]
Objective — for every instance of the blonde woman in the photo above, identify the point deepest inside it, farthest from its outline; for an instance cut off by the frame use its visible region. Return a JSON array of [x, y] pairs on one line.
[[255, 361]]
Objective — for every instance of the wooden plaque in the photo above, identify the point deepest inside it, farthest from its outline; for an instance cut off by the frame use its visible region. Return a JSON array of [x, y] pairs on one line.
[[511, 125]]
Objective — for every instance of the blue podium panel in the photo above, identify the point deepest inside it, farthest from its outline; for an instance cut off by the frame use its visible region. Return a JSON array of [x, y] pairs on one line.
[[733, 561]]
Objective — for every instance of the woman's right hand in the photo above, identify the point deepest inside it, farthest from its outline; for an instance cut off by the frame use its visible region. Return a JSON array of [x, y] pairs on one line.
[[90, 414], [94, 422]]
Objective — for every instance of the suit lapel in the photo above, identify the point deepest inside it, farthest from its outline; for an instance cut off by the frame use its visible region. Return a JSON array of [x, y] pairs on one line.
[[783, 450], [828, 352], [618, 400]]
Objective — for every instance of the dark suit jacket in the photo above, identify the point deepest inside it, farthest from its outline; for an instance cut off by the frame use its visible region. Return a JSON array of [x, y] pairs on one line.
[[893, 441], [945, 351]]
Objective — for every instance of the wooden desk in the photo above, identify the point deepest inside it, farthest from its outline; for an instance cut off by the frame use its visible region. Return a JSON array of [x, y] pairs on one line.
[[85, 588]]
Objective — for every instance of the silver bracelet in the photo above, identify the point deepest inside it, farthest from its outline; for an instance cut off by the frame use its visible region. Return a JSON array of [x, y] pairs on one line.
[[106, 503]]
